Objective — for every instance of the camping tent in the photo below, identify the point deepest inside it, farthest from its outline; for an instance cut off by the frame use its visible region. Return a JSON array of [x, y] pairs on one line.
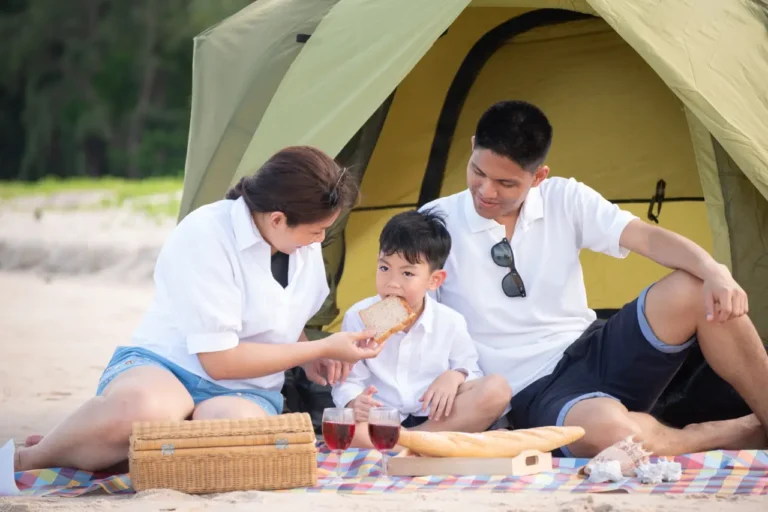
[[660, 106]]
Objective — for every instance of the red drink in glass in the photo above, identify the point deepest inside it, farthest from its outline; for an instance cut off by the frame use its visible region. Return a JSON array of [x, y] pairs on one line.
[[338, 436], [384, 437], [384, 431], [338, 431]]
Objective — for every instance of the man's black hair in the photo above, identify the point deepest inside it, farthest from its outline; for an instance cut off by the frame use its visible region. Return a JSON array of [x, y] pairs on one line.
[[516, 130], [417, 236]]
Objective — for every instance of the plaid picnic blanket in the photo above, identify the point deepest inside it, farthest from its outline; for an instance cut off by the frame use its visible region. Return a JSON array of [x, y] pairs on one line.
[[67, 482], [717, 472]]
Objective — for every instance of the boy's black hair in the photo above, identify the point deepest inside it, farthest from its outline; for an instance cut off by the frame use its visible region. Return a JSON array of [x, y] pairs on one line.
[[417, 236], [516, 130]]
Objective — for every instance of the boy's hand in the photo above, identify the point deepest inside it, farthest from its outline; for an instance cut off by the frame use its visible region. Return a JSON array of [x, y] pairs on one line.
[[442, 393], [363, 403]]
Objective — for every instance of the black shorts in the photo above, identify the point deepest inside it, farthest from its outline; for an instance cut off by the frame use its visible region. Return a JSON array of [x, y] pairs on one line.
[[620, 359], [413, 421]]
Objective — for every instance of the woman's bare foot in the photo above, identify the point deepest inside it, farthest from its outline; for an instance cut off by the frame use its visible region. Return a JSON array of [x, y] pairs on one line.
[[17, 460], [745, 433], [29, 442], [33, 440]]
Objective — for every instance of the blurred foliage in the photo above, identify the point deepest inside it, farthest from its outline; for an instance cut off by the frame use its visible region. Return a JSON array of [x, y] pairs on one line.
[[98, 87], [120, 187]]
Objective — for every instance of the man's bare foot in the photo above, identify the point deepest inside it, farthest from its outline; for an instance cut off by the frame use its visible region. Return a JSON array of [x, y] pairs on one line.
[[33, 440], [745, 433]]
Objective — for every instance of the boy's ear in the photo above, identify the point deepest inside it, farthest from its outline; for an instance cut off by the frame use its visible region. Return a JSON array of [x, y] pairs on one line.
[[437, 279]]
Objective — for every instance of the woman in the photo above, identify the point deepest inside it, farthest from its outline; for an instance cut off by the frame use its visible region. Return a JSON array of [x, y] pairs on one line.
[[223, 325]]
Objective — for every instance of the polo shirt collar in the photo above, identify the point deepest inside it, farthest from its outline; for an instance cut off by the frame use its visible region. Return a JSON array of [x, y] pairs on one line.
[[246, 234], [533, 209]]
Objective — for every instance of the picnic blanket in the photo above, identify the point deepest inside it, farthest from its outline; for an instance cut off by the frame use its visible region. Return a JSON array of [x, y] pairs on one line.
[[717, 472]]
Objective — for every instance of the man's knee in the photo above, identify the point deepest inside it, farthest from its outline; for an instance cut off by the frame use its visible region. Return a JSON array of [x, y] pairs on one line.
[[673, 307], [684, 282], [678, 290]]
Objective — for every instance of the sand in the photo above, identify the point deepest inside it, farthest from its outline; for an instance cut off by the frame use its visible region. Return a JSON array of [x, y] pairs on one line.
[[74, 284], [424, 502]]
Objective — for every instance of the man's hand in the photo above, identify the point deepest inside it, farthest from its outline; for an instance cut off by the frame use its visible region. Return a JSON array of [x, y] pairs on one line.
[[442, 393], [723, 297], [363, 404], [327, 371]]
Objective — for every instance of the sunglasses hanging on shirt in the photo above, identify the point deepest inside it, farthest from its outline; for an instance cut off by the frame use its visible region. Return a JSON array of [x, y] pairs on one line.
[[512, 283]]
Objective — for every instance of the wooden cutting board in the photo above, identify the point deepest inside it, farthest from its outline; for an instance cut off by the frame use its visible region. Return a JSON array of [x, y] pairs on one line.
[[527, 463]]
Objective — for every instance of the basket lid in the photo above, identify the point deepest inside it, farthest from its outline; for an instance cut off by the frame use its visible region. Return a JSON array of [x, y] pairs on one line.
[[284, 429]]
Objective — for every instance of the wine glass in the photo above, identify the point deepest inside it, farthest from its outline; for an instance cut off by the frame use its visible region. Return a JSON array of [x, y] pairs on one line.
[[338, 432], [384, 431]]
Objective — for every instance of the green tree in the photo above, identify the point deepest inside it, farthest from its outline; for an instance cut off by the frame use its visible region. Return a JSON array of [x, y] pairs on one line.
[[97, 87]]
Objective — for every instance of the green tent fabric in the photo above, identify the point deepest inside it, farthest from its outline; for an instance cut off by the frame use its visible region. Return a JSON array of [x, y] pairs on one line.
[[396, 86], [237, 68]]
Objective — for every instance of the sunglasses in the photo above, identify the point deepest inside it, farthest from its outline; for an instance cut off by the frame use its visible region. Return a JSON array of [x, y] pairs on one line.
[[512, 283]]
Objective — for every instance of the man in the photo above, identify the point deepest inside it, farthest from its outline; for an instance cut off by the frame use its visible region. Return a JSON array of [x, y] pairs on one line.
[[514, 273]]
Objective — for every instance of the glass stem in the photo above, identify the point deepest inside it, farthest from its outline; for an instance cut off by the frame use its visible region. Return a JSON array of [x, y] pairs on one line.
[[338, 463], [384, 464]]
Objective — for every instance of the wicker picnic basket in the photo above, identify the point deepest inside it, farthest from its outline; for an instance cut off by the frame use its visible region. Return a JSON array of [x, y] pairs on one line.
[[209, 456]]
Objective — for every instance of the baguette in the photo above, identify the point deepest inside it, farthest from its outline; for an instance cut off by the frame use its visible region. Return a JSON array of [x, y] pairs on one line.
[[492, 444], [387, 317]]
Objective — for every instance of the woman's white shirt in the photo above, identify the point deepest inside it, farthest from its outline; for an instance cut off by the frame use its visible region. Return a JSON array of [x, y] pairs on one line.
[[214, 289]]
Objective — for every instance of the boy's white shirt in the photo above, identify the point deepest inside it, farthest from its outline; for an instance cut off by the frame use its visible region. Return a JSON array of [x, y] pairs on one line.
[[410, 362]]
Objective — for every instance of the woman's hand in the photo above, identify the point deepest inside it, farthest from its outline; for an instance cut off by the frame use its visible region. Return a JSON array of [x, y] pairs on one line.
[[351, 347], [327, 371]]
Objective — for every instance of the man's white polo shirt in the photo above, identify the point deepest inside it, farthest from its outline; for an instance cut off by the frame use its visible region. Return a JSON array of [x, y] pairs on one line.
[[523, 338]]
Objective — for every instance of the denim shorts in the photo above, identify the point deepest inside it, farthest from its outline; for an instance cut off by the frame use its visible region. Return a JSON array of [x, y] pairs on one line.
[[199, 388]]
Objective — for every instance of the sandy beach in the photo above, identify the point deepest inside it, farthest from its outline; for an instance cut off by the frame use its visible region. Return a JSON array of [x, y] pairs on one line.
[[73, 285]]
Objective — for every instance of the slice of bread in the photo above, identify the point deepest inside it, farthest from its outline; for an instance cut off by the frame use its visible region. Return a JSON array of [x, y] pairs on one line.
[[387, 317]]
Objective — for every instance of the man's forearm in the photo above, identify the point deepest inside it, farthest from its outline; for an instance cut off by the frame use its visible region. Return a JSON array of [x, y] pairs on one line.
[[668, 249], [677, 252], [252, 360]]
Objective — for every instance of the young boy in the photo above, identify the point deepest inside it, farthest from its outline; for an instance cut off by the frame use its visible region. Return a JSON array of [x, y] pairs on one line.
[[430, 373]]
